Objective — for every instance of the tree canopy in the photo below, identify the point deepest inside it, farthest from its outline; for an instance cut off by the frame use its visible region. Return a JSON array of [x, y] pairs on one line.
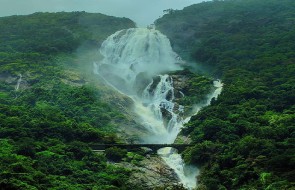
[[49, 122], [245, 139]]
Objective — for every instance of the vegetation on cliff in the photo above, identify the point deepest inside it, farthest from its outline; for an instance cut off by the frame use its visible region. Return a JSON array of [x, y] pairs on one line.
[[49, 114], [245, 139], [190, 89]]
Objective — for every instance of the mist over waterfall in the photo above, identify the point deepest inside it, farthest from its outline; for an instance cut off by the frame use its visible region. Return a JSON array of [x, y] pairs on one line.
[[129, 54], [135, 63]]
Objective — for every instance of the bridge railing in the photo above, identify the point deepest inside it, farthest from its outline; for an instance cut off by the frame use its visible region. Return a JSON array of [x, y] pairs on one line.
[[154, 147]]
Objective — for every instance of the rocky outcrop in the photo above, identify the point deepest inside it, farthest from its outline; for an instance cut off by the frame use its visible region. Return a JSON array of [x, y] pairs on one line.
[[18, 82], [142, 80], [73, 78], [151, 173]]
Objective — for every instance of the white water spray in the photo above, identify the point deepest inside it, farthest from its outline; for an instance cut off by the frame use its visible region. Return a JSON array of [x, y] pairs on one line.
[[128, 53], [187, 174], [158, 99], [141, 55], [18, 82]]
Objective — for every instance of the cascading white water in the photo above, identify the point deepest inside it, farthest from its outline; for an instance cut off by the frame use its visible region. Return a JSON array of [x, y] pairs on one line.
[[127, 53], [18, 82], [187, 174], [140, 54], [158, 99]]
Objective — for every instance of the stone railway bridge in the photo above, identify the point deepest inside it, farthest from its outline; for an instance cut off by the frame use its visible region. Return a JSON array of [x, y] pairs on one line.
[[129, 147]]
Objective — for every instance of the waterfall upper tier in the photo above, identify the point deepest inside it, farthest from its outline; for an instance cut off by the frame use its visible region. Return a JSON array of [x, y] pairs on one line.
[[132, 52]]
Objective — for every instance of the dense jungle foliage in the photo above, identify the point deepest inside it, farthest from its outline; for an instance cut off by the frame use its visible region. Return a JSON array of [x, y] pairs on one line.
[[246, 138], [47, 124]]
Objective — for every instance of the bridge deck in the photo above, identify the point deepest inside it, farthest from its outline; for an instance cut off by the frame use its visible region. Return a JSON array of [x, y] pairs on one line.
[[100, 147]]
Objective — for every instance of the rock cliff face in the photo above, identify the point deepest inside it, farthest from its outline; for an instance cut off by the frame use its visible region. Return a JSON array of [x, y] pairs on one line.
[[151, 173], [189, 89]]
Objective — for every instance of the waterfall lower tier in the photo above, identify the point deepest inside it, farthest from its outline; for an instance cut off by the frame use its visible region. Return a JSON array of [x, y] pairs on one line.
[[160, 100], [186, 174], [134, 63]]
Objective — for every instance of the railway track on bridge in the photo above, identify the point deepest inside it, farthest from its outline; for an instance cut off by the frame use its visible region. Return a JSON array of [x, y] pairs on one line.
[[154, 147]]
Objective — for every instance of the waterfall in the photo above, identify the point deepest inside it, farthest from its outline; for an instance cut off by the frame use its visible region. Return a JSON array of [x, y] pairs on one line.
[[187, 174], [129, 53], [134, 62], [143, 54], [159, 100], [18, 82]]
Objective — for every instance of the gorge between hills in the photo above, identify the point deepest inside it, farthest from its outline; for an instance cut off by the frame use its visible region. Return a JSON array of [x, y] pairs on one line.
[[137, 62], [85, 98]]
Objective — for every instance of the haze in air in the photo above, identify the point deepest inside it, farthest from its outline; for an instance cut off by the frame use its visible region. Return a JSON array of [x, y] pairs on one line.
[[143, 12], [92, 101]]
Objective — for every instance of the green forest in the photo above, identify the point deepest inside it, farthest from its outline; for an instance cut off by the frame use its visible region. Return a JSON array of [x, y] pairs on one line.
[[46, 127], [245, 139]]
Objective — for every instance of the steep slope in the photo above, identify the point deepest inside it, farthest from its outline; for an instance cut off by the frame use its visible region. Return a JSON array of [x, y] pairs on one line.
[[245, 139], [49, 113]]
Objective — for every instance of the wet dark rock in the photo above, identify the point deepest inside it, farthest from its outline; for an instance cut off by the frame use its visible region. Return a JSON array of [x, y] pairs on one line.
[[142, 80]]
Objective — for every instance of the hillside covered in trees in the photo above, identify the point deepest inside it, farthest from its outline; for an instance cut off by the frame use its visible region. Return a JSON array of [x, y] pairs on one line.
[[246, 138], [48, 113]]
